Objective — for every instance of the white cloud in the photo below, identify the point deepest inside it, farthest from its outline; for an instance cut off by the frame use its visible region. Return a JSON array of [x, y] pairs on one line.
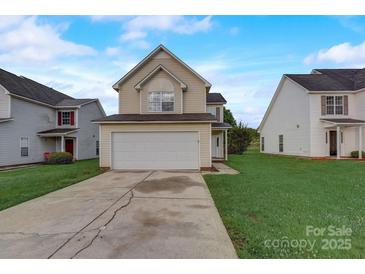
[[136, 29], [112, 51], [341, 54], [133, 35], [25, 40]]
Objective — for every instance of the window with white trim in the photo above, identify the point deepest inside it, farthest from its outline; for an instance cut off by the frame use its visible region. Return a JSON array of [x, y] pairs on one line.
[[66, 118], [97, 148], [334, 105], [24, 146], [161, 101]]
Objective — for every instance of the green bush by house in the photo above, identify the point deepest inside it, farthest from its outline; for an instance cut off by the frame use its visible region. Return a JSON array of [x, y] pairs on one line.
[[60, 158], [355, 154]]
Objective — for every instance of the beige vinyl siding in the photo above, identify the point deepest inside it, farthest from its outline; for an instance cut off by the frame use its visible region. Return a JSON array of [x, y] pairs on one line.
[[204, 130], [161, 81], [194, 99], [213, 108]]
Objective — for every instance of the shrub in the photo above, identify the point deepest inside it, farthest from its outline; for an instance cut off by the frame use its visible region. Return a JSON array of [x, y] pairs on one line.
[[355, 154], [60, 158], [239, 139]]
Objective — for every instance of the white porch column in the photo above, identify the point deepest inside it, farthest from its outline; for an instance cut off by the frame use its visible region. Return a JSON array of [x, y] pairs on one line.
[[338, 135], [360, 142], [226, 145], [62, 144]]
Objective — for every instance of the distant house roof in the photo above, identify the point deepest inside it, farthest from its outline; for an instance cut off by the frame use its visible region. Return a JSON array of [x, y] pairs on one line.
[[331, 79], [187, 117], [74, 102], [215, 98], [25, 87]]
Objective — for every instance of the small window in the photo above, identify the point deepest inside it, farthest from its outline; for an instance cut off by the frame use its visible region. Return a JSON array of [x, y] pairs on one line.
[[262, 144], [217, 141], [161, 101], [326, 137], [66, 118], [334, 105], [341, 137], [24, 146], [281, 143], [97, 148]]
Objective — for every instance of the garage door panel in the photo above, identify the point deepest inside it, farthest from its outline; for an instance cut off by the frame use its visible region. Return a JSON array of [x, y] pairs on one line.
[[155, 150]]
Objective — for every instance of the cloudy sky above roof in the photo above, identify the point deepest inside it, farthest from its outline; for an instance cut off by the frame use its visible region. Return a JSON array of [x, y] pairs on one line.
[[242, 56]]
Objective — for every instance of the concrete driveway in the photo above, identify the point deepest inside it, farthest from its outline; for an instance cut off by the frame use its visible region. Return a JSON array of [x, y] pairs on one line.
[[149, 214]]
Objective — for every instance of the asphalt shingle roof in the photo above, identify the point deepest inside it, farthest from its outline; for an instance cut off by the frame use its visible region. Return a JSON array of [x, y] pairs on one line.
[[25, 87], [331, 79], [215, 98], [188, 117]]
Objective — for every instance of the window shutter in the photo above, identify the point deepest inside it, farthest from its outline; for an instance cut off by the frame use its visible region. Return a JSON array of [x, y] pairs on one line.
[[345, 105], [323, 105], [59, 118], [218, 114], [72, 114]]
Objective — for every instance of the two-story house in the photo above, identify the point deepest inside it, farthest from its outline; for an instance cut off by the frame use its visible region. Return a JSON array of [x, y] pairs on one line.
[[167, 118], [35, 119], [320, 114]]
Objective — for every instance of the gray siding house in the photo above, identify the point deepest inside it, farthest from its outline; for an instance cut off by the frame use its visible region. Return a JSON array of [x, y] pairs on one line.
[[35, 119]]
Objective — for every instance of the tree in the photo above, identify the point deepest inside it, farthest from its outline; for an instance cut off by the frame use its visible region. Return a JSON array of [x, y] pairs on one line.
[[239, 139], [228, 117]]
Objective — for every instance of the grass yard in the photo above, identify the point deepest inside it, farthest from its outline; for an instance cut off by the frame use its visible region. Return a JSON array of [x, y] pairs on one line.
[[20, 185], [268, 206]]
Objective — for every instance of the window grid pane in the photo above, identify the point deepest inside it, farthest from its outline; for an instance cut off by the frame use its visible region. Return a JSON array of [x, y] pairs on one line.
[[160, 101], [66, 118]]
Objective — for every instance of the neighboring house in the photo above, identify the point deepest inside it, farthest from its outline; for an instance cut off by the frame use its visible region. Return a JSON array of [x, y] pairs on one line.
[[320, 114], [35, 119], [167, 118]]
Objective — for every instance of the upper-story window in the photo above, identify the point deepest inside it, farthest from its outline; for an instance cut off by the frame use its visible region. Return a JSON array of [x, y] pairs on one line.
[[66, 118], [161, 101], [334, 105]]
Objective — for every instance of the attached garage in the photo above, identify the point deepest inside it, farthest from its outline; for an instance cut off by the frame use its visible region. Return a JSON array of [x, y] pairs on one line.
[[155, 150]]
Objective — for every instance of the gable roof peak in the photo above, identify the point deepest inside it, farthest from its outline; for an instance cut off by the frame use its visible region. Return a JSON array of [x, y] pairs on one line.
[[149, 56]]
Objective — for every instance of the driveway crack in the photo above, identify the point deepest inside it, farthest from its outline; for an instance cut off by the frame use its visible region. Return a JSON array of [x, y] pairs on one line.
[[98, 216]]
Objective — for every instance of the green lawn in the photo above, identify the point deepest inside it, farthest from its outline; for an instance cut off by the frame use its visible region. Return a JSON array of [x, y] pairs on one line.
[[275, 198], [17, 186]]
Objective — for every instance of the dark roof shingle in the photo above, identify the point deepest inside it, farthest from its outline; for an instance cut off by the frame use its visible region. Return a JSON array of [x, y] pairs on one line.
[[221, 125], [58, 130], [25, 87], [188, 117], [331, 79], [343, 120], [215, 98]]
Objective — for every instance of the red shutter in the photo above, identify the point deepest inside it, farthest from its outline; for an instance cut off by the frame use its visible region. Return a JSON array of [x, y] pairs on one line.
[[346, 105], [59, 118], [72, 118]]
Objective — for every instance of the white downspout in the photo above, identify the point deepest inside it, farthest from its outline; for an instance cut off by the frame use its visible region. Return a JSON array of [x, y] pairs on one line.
[[338, 142], [226, 145], [360, 142]]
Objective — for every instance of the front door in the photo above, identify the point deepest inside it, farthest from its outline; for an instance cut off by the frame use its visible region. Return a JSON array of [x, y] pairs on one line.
[[216, 146], [333, 143], [69, 144]]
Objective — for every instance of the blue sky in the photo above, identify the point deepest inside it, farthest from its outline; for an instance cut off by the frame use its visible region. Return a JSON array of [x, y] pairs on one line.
[[243, 57]]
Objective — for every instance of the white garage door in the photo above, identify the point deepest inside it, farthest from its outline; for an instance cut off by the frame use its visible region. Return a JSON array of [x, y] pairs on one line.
[[155, 150]]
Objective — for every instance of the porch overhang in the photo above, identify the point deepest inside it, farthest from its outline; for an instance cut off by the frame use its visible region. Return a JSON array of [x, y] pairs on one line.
[[342, 122], [221, 126], [57, 132]]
